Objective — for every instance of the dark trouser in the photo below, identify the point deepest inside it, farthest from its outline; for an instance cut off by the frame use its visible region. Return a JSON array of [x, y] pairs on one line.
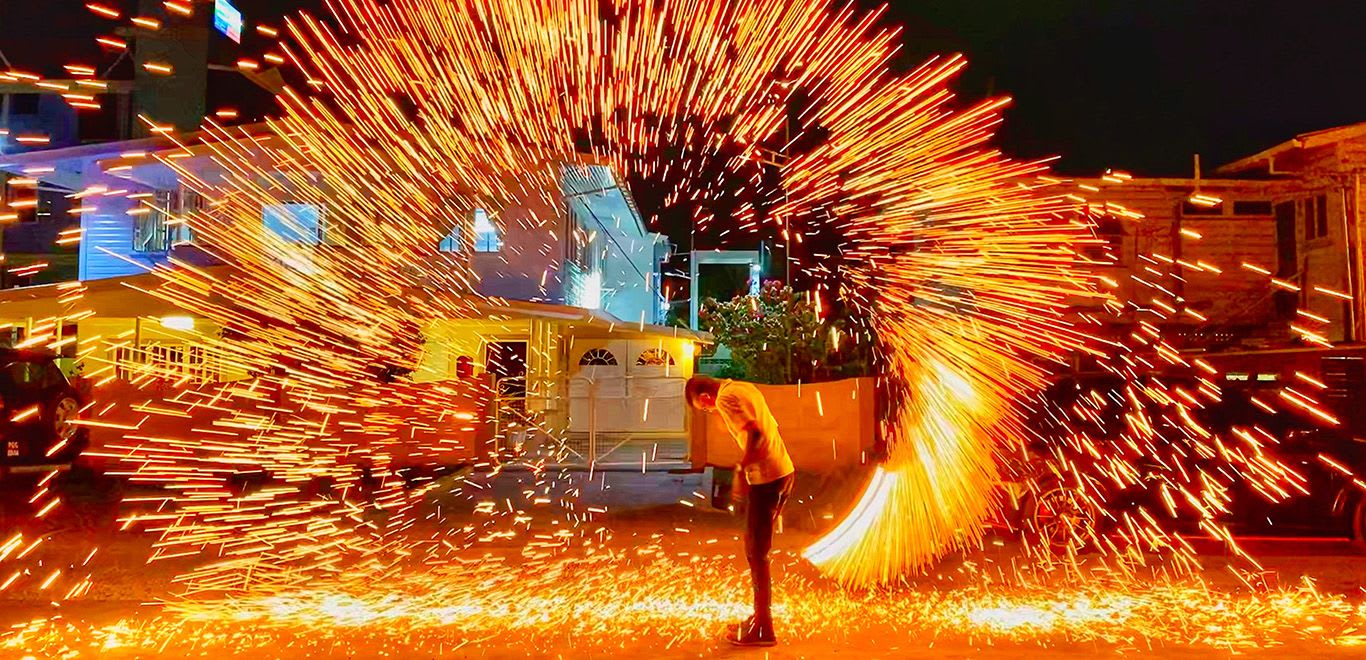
[[765, 503]]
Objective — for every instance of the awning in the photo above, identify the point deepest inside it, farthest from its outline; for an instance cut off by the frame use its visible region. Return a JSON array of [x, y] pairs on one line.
[[128, 297]]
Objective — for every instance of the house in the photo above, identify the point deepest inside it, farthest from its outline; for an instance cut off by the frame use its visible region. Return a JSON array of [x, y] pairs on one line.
[[1320, 220], [568, 290], [1265, 254], [1176, 264]]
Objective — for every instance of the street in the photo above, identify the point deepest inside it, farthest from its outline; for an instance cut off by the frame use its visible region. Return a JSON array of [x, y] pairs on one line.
[[651, 576]]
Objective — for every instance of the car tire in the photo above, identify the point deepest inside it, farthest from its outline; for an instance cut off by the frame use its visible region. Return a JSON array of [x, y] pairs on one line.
[[60, 413], [1060, 519]]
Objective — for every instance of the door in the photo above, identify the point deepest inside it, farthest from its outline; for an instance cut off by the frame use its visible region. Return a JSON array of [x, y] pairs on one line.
[[507, 362], [1287, 258]]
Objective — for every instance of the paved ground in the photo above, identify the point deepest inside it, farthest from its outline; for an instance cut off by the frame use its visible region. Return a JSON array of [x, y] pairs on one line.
[[663, 579]]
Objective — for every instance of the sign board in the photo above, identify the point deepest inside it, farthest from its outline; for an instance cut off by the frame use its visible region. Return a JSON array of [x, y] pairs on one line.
[[227, 19]]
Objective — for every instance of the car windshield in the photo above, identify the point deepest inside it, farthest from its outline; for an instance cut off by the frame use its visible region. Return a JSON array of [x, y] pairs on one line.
[[24, 375]]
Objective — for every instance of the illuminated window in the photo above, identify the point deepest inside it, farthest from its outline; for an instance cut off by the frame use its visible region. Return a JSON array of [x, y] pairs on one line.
[[295, 223], [486, 238], [451, 243]]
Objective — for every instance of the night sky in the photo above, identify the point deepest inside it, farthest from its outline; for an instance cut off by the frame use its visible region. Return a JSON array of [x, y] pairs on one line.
[[1133, 84]]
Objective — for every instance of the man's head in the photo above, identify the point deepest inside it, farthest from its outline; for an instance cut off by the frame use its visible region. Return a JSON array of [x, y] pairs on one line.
[[701, 392]]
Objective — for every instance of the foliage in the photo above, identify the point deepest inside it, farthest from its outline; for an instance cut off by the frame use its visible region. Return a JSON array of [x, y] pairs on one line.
[[779, 337]]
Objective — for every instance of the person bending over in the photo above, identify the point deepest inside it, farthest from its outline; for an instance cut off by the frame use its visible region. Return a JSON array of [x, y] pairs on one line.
[[767, 469]]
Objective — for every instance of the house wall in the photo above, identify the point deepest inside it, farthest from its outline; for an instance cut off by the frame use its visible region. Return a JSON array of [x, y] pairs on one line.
[[1329, 164], [618, 269], [528, 267], [629, 279], [1323, 260], [54, 118], [1150, 251], [107, 242], [450, 340]]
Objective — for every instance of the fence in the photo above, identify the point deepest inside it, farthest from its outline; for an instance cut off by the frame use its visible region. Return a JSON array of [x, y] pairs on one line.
[[166, 361], [569, 430]]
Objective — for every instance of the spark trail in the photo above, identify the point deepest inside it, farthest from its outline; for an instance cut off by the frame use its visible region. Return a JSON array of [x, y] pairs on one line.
[[406, 116]]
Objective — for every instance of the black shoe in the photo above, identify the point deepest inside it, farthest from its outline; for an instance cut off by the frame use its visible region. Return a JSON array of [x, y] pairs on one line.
[[752, 633]]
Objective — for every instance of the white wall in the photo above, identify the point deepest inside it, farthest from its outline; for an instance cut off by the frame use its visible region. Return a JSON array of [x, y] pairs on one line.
[[624, 254], [628, 397]]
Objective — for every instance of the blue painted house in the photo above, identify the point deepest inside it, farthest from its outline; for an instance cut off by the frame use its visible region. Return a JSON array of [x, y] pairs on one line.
[[582, 271]]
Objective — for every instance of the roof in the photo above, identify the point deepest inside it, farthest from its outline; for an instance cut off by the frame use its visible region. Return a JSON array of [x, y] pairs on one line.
[[1309, 140], [1173, 182], [106, 297], [589, 320], [105, 150], [114, 297]]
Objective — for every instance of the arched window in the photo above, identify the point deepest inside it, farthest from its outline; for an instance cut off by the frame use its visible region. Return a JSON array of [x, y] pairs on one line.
[[655, 357], [598, 357]]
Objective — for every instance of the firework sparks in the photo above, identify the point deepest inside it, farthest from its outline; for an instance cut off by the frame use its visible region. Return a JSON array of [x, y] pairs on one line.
[[965, 264], [658, 602]]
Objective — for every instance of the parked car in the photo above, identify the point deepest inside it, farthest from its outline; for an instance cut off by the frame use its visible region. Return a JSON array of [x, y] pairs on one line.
[[1331, 460], [38, 408]]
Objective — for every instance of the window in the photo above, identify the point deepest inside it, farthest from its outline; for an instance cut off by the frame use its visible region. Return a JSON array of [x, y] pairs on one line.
[[24, 104], [486, 238], [1314, 217], [655, 357], [1252, 207], [598, 357], [12, 335], [295, 223], [451, 243], [187, 203], [10, 193], [1110, 231], [1187, 208], [150, 231], [31, 375]]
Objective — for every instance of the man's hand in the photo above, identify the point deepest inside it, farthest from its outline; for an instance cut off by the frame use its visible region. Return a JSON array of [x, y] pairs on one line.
[[739, 485]]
